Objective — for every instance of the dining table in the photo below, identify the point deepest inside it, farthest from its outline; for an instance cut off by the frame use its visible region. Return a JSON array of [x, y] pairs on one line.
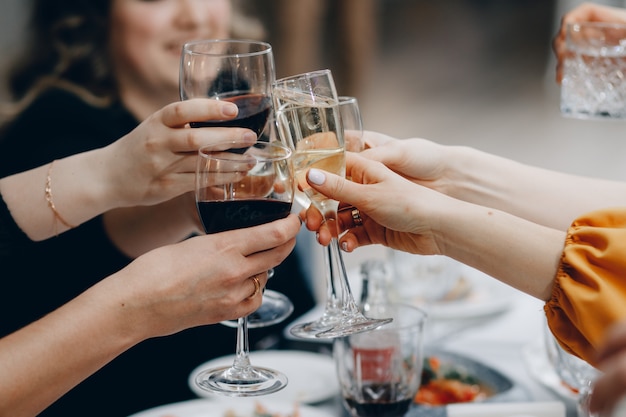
[[493, 328], [505, 332]]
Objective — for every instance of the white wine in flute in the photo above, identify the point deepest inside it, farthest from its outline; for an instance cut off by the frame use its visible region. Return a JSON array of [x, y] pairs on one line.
[[310, 129]]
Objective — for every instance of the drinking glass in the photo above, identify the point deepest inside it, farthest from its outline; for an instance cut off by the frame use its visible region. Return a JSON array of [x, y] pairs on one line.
[[242, 72], [352, 123], [593, 85], [380, 371], [236, 187], [573, 371], [308, 122]]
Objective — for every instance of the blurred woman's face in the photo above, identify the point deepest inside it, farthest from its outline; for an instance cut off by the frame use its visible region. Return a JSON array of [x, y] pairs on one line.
[[147, 36]]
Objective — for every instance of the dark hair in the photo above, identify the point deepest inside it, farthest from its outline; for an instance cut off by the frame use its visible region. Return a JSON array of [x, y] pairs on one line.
[[67, 48]]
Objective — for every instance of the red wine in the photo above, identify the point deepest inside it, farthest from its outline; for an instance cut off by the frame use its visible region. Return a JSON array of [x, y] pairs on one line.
[[254, 109], [380, 405], [219, 216]]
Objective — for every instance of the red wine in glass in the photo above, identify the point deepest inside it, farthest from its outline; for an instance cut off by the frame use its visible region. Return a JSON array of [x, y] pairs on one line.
[[383, 404], [254, 110], [219, 216]]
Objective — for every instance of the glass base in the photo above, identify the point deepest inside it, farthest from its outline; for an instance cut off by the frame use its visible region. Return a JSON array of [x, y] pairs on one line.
[[352, 325], [311, 329], [276, 307], [246, 382]]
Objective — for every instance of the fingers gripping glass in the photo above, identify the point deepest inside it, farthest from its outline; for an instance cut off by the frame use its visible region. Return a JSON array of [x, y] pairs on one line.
[[242, 72], [308, 121], [236, 187]]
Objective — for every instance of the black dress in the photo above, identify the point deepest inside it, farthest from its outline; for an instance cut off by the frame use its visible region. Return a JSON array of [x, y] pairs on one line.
[[40, 276]]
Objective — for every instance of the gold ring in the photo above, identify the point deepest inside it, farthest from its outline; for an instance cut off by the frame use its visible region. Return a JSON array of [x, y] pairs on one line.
[[257, 287], [356, 217]]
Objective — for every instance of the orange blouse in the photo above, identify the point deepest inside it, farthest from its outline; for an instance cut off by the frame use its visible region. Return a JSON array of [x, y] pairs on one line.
[[590, 287]]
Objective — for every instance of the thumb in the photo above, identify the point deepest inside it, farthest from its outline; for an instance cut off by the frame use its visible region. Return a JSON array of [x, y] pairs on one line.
[[333, 186]]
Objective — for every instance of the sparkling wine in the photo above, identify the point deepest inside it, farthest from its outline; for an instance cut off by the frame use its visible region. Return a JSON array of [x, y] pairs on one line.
[[331, 160], [219, 216]]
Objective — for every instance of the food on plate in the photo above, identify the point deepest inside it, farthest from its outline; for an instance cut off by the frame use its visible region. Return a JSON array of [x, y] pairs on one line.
[[444, 383], [261, 411]]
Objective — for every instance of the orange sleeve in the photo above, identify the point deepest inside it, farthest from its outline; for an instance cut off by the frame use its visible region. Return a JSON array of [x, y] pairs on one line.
[[590, 287]]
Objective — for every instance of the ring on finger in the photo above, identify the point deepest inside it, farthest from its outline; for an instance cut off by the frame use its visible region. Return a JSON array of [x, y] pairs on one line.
[[257, 286], [356, 217]]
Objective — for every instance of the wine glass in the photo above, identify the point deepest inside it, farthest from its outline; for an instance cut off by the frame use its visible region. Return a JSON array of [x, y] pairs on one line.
[[573, 371], [242, 72], [352, 123], [308, 121], [380, 371], [239, 186]]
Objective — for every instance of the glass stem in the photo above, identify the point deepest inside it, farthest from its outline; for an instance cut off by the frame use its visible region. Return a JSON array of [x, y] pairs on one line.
[[242, 360], [340, 277], [332, 297], [337, 268]]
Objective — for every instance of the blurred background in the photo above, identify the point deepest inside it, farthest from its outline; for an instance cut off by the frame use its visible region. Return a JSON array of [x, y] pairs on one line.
[[465, 72]]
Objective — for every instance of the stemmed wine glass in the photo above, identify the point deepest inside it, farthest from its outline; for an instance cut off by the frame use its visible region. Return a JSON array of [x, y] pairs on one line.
[[242, 72], [573, 371], [352, 123], [308, 121], [241, 186]]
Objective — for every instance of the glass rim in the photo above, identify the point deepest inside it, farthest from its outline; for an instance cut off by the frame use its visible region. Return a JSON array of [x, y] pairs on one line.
[[309, 74], [188, 47], [598, 25], [217, 147]]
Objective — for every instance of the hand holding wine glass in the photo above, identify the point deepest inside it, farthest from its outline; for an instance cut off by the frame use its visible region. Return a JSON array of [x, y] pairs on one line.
[[239, 186], [308, 121], [242, 72]]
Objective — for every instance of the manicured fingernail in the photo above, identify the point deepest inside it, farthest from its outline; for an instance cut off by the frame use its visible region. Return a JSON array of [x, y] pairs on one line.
[[229, 109], [317, 237], [344, 246], [249, 137], [316, 176]]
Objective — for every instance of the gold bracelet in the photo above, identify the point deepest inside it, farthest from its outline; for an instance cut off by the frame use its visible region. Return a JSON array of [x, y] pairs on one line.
[[57, 216]]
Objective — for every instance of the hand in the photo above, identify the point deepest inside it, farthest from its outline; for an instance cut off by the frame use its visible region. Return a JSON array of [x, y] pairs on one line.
[[611, 386], [203, 280], [418, 160], [586, 12], [395, 212], [160, 154]]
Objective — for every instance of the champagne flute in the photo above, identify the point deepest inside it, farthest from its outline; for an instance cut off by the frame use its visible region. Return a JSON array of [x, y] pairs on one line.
[[352, 123], [236, 190], [308, 121], [353, 134], [242, 72]]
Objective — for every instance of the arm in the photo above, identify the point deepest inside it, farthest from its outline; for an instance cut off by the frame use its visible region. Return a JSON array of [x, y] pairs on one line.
[[546, 197], [167, 290], [520, 253], [159, 156]]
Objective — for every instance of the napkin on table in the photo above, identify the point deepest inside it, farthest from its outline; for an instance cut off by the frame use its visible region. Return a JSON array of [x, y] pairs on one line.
[[519, 409]]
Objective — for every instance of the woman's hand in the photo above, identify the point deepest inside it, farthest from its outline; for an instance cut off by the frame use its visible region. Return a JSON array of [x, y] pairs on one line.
[[203, 280], [395, 212], [418, 160], [586, 12], [160, 154]]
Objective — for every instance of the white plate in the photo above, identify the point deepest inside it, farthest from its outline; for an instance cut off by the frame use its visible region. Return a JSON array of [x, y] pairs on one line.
[[311, 376], [241, 407], [486, 297]]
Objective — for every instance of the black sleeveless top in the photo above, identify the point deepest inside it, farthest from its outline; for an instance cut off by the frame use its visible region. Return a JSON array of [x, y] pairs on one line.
[[38, 277]]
